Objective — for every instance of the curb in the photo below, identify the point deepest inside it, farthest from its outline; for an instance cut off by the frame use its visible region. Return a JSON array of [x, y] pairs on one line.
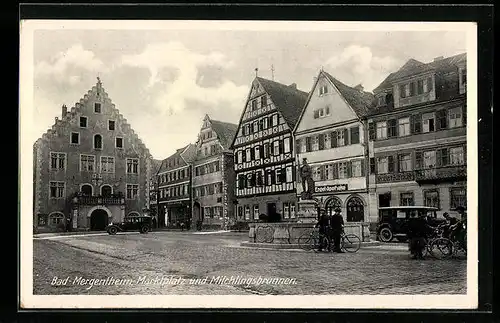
[[294, 245]]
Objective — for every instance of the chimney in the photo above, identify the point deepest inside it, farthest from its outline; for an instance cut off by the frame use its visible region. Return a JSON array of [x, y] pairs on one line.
[[359, 88], [293, 86], [57, 119], [438, 58], [64, 111]]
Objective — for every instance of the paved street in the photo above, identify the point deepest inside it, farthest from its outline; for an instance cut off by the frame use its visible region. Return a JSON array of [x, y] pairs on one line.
[[130, 263]]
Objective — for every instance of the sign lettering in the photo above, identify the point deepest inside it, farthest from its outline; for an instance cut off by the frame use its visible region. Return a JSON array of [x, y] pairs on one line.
[[330, 188]]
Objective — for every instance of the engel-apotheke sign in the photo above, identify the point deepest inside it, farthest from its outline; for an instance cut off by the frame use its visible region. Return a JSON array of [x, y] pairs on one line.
[[330, 188]]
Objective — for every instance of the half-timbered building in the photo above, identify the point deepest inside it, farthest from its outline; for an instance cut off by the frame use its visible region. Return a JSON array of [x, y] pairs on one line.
[[264, 159]]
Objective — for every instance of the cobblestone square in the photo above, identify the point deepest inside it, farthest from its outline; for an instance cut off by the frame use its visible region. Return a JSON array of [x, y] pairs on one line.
[[71, 264]]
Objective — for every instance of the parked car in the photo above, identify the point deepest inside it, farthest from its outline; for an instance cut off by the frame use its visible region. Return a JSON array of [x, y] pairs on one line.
[[392, 221], [131, 223]]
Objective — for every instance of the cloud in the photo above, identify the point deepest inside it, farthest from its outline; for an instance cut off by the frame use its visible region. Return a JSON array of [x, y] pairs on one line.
[[186, 87], [75, 57], [357, 64]]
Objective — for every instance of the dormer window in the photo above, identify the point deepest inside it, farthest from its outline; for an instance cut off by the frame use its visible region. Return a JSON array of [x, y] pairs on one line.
[[254, 105], [381, 100], [97, 107], [323, 89]]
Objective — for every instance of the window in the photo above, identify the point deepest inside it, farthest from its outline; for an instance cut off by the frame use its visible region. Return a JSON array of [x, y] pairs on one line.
[[329, 171], [372, 165], [404, 127], [455, 117], [286, 145], [254, 105], [83, 122], [431, 198], [404, 163], [275, 120], [132, 166], [276, 148], [292, 210], [106, 190], [286, 210], [430, 84], [354, 135], [248, 154], [56, 218], [402, 91], [97, 142], [323, 89], [327, 139], [289, 174], [340, 138], [118, 142], [391, 128], [458, 197], [381, 130], [111, 125], [240, 157], [457, 156], [315, 143], [383, 165], [406, 199], [256, 126], [256, 152], [428, 122], [429, 159], [75, 138], [97, 107], [327, 110], [316, 173], [263, 101], [57, 160], [256, 212], [342, 170], [247, 212], [132, 191], [420, 86], [356, 168], [57, 190], [87, 163], [107, 164]]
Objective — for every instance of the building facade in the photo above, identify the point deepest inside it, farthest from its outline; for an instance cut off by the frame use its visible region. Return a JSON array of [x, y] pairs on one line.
[[213, 174], [264, 159], [330, 135], [154, 190], [418, 136], [174, 188], [90, 168]]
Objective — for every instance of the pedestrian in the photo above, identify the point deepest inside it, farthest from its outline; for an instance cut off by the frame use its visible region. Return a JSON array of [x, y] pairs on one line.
[[417, 234], [449, 222], [336, 227], [323, 230]]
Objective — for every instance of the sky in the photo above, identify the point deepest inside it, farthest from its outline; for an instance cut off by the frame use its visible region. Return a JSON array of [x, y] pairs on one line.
[[165, 81]]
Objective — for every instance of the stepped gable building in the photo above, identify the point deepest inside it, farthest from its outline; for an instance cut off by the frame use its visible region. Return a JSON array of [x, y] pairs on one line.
[[174, 187], [330, 135], [264, 151], [90, 168], [418, 135], [213, 174]]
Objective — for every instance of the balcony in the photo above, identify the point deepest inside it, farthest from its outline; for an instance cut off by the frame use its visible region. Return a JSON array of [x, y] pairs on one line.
[[441, 174], [114, 199], [395, 177]]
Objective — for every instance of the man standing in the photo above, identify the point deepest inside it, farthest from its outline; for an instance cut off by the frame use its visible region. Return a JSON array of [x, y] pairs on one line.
[[336, 227], [323, 230], [417, 233], [449, 222]]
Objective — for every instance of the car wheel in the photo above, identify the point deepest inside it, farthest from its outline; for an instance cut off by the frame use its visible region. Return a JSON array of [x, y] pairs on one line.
[[145, 229], [112, 230], [386, 234]]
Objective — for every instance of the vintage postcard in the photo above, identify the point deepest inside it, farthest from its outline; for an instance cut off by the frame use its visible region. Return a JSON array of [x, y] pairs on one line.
[[248, 164]]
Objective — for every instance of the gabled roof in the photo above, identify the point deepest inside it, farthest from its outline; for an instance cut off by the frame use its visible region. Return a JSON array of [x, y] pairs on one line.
[[156, 165], [177, 153], [288, 100], [225, 132], [413, 67], [360, 101]]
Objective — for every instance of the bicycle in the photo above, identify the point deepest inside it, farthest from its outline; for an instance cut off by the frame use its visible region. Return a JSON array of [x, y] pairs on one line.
[[311, 241], [449, 247]]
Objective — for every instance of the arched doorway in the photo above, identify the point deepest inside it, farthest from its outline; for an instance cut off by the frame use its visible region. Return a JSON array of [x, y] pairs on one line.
[[106, 190], [86, 190], [197, 215], [355, 210], [98, 220], [332, 204]]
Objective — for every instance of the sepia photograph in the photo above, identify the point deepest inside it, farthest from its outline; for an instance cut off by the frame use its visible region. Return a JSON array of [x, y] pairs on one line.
[[248, 164]]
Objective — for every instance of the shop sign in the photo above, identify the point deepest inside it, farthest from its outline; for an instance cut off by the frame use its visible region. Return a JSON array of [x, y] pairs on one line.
[[330, 188]]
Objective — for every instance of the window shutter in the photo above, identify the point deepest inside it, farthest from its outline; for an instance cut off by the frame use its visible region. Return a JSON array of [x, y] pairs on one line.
[[417, 123], [346, 137], [333, 140], [297, 145], [290, 140], [308, 144], [321, 141], [390, 164], [363, 167], [335, 169], [441, 119], [418, 159], [371, 130], [349, 169], [354, 139]]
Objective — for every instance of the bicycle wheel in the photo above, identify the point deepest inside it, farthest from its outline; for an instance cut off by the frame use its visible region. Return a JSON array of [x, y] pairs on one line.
[[308, 241], [441, 248], [351, 242]]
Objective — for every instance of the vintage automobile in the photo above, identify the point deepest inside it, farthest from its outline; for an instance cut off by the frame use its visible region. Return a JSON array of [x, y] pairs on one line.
[[392, 221], [131, 223]]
